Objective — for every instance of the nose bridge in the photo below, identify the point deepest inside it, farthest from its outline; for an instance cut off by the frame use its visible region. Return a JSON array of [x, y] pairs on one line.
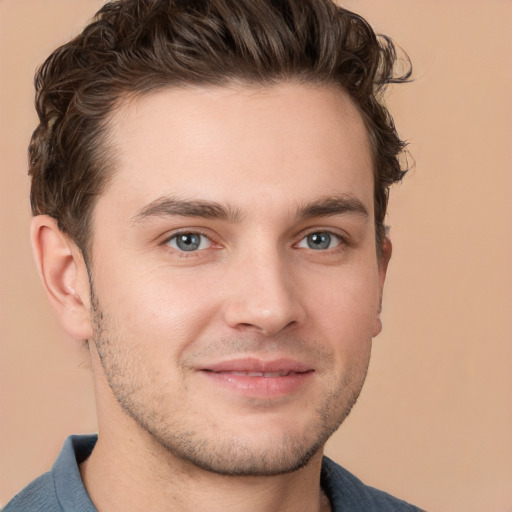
[[262, 293]]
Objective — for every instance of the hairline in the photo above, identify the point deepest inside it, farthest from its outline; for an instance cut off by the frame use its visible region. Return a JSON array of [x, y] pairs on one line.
[[104, 150]]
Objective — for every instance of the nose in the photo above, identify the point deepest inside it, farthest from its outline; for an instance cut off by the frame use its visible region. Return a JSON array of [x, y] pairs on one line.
[[262, 295]]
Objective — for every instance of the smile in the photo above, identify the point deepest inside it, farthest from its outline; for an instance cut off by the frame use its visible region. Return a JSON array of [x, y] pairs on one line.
[[261, 374], [257, 367], [257, 378]]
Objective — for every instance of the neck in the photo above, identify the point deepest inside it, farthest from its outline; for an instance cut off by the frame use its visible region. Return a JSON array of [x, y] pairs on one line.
[[120, 476]]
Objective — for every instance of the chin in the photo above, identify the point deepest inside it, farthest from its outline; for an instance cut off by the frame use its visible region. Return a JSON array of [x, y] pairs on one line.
[[245, 457], [253, 448]]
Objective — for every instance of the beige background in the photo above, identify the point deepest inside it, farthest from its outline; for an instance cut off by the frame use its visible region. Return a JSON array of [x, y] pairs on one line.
[[434, 423]]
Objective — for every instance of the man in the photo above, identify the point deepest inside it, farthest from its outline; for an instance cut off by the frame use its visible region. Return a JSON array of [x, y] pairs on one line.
[[209, 185]]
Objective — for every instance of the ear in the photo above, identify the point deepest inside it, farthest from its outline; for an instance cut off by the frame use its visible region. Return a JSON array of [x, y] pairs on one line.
[[383, 261], [64, 276]]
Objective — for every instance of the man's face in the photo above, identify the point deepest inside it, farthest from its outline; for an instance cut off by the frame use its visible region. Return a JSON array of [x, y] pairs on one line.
[[236, 282]]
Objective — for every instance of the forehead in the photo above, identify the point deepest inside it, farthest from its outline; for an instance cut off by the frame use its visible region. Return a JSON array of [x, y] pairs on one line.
[[263, 146]]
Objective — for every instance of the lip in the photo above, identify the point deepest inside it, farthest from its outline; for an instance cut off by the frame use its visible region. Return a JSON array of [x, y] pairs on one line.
[[259, 378], [253, 364]]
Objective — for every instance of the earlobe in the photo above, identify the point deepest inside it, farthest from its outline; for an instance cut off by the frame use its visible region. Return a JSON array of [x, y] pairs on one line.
[[384, 257], [63, 274]]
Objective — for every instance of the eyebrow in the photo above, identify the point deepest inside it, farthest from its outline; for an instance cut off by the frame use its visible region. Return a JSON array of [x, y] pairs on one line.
[[171, 206], [333, 205]]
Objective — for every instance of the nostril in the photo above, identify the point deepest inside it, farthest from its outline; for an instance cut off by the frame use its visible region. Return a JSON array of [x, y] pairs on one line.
[[266, 328]]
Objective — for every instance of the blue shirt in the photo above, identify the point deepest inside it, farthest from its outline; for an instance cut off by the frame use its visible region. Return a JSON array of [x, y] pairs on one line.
[[62, 489]]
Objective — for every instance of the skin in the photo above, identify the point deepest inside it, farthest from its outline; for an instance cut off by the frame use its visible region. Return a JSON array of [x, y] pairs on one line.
[[262, 177]]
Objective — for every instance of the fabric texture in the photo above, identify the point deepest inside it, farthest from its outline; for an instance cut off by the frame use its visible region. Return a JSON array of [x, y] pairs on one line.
[[62, 489], [348, 494]]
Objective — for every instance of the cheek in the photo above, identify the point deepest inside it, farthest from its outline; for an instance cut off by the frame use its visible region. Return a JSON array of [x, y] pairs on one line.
[[345, 309], [157, 307], [350, 291]]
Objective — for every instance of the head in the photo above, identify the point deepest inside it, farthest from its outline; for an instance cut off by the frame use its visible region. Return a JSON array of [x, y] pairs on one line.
[[216, 177]]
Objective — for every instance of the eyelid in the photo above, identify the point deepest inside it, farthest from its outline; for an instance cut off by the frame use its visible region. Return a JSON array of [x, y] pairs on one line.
[[203, 239], [334, 238], [342, 237], [193, 231]]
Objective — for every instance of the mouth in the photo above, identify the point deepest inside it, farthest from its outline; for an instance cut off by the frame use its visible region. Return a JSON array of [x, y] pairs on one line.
[[258, 378], [259, 374], [257, 367]]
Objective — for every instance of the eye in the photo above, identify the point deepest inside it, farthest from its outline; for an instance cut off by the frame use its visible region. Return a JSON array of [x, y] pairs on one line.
[[189, 242], [320, 241]]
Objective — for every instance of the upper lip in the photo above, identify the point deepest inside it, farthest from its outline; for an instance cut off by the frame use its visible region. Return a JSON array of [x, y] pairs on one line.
[[256, 365]]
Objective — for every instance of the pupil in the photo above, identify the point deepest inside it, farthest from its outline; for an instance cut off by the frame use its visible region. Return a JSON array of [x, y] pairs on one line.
[[188, 242], [319, 241]]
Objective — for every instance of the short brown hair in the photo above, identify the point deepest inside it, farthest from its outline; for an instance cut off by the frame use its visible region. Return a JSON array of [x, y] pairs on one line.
[[138, 46]]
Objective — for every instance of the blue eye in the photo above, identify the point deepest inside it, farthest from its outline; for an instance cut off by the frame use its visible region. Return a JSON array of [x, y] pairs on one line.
[[189, 242], [319, 241]]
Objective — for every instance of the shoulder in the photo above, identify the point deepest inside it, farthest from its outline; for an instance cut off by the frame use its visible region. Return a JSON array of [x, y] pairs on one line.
[[40, 495], [348, 494], [61, 489]]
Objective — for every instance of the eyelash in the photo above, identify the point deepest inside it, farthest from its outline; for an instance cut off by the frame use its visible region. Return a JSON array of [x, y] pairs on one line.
[[184, 253], [341, 241]]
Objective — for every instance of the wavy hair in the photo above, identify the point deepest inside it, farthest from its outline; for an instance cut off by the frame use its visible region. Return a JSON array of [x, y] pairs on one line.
[[134, 47]]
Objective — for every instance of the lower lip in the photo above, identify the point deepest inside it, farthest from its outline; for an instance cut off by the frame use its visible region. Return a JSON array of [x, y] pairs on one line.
[[261, 386]]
